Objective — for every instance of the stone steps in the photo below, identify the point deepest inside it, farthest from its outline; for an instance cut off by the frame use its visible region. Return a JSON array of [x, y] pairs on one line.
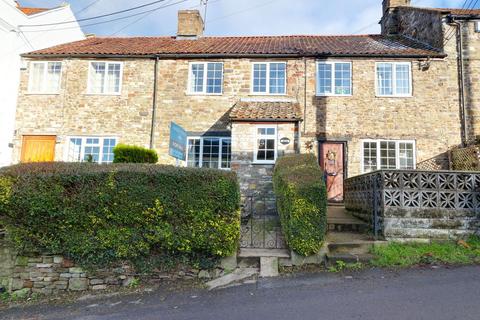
[[339, 220]]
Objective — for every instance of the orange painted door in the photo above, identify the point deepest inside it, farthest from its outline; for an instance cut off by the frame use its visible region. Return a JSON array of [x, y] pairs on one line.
[[332, 163], [38, 148]]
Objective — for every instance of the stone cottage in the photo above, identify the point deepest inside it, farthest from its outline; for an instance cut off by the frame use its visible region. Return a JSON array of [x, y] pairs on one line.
[[396, 100]]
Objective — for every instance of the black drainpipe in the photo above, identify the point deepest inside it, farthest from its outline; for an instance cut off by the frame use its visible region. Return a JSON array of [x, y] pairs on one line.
[[154, 104], [461, 80], [304, 97]]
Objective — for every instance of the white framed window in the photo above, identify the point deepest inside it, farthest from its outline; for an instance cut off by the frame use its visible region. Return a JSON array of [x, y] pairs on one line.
[[105, 77], [45, 77], [477, 26], [269, 78], [388, 154], [393, 79], [334, 78], [209, 152], [205, 78], [265, 145], [91, 149]]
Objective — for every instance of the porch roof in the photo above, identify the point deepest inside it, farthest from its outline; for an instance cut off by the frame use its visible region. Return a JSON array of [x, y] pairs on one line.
[[266, 111]]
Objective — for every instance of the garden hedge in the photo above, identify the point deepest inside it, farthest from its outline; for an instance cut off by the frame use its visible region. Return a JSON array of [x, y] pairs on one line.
[[103, 214], [301, 202], [123, 153]]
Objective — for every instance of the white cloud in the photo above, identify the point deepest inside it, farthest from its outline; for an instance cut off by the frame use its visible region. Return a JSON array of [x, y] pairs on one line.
[[249, 17]]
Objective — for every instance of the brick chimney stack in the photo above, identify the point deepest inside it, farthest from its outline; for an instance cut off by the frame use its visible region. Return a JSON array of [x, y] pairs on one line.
[[190, 24]]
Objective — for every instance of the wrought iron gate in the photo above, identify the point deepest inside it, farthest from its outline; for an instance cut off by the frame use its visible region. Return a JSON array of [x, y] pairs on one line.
[[260, 226]]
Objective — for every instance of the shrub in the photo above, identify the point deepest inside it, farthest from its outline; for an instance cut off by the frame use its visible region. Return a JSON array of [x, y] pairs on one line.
[[301, 202], [123, 153], [103, 214]]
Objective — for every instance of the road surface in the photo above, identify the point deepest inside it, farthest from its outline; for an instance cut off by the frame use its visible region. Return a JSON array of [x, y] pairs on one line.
[[436, 294]]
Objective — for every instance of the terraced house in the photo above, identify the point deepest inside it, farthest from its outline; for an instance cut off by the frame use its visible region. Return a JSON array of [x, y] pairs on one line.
[[399, 99]]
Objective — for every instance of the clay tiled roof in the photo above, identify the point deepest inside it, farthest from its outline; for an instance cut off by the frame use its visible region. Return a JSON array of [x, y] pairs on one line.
[[266, 111], [363, 45], [459, 12], [30, 11], [453, 11]]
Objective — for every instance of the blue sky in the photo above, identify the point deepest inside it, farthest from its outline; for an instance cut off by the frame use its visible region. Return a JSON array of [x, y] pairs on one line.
[[244, 17]]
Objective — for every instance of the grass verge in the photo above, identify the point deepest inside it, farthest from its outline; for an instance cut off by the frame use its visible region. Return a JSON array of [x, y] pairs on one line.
[[409, 254]]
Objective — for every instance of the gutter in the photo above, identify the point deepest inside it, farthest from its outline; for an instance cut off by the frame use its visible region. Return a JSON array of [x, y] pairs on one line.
[[461, 79], [264, 120], [223, 55], [154, 105]]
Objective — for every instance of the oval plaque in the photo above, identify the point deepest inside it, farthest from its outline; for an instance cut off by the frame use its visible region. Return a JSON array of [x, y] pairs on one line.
[[285, 141]]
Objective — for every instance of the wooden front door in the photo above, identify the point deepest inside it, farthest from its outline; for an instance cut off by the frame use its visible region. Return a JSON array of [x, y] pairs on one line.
[[38, 148], [332, 163]]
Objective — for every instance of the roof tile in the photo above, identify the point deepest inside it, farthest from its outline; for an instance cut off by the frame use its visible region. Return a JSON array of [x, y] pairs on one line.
[[266, 111], [362, 45], [31, 11]]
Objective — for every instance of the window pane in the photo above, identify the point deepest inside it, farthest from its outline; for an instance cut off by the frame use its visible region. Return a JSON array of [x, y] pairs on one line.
[[343, 76], [369, 156], [277, 78], [385, 78], [387, 155], [193, 153], [37, 77], [266, 144], [405, 154], [214, 77], [197, 75], [324, 78], [226, 153], [260, 78], [97, 77], [107, 151], [402, 79], [211, 153], [54, 70], [74, 149], [113, 78]]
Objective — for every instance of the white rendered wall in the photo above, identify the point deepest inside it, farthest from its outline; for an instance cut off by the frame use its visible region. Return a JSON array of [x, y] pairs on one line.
[[16, 40]]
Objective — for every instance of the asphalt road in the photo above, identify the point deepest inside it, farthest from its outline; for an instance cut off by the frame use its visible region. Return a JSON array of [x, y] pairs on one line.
[[416, 294]]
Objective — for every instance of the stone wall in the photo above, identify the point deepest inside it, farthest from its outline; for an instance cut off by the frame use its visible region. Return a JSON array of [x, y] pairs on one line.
[[53, 274], [430, 116], [423, 25]]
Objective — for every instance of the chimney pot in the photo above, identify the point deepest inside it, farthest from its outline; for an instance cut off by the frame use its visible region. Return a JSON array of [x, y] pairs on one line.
[[190, 24]]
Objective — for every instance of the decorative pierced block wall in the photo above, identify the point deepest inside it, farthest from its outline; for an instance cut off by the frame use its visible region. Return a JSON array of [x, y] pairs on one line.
[[417, 204]]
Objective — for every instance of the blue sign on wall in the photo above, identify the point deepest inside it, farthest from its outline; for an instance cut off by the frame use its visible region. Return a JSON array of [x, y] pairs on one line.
[[178, 141]]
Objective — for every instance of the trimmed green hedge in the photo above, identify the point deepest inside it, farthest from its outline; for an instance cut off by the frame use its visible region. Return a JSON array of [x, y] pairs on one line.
[[123, 153], [103, 214], [302, 202]]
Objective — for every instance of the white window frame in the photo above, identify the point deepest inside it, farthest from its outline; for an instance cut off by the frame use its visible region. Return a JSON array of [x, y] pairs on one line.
[[200, 159], [332, 63], [267, 89], [394, 80], [260, 136], [45, 71], [204, 84], [397, 153], [477, 26], [89, 82], [82, 149]]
